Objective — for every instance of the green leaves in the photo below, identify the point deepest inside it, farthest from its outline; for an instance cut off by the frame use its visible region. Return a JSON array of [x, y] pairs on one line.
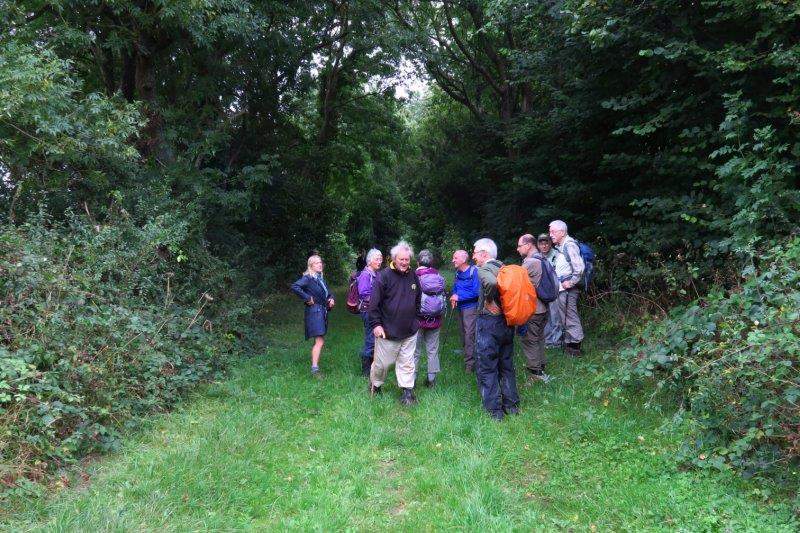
[[734, 360], [97, 328]]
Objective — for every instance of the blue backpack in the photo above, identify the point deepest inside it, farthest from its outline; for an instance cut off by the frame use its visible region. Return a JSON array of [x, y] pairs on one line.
[[587, 254], [547, 290]]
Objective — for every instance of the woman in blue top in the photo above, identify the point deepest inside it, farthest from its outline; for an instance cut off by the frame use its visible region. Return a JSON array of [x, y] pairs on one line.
[[312, 289]]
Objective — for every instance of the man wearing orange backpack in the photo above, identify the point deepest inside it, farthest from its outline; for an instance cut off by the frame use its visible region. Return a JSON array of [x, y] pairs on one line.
[[494, 348]]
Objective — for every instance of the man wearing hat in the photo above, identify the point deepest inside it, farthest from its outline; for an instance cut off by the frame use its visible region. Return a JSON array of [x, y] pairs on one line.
[[554, 329]]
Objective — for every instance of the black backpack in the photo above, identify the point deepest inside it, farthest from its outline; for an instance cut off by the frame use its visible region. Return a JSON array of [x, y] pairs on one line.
[[547, 290]]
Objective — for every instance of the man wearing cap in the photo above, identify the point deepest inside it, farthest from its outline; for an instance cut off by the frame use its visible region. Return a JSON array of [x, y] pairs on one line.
[[554, 331]]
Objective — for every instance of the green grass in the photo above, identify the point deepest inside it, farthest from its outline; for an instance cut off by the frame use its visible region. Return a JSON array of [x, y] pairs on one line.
[[271, 448]]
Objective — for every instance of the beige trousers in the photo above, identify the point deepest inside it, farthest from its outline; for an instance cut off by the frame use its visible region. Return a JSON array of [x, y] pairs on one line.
[[399, 353]]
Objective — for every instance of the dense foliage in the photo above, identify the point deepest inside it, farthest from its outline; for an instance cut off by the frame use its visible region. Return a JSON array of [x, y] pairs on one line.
[[732, 357], [100, 324]]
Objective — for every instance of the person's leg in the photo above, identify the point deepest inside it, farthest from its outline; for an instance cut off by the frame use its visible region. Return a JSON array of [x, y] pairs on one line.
[[533, 344], [486, 369], [469, 317], [432, 349], [573, 330], [404, 368], [507, 376], [461, 325], [562, 314], [418, 351], [528, 348], [368, 349], [553, 330], [385, 356], [316, 349]]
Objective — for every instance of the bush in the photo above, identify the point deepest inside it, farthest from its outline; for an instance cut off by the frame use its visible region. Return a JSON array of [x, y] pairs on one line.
[[98, 325], [733, 357]]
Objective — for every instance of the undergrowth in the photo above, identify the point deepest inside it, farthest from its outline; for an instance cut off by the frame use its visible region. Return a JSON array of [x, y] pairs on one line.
[[100, 324]]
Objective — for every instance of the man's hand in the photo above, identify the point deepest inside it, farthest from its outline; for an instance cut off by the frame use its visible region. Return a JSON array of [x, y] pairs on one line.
[[453, 301], [566, 284], [378, 332], [310, 301], [331, 303], [493, 308]]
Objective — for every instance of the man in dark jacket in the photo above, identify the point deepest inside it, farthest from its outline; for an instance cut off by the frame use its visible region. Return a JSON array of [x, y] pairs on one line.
[[393, 317]]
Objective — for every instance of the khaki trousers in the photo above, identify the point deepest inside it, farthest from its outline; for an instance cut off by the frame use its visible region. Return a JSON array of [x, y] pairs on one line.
[[399, 353]]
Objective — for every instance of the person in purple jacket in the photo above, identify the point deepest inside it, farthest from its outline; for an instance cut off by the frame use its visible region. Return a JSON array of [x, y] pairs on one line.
[[466, 288], [365, 278], [430, 315]]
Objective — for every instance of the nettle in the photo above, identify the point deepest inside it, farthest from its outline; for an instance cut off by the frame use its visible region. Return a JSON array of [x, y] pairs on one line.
[[733, 357], [98, 325]]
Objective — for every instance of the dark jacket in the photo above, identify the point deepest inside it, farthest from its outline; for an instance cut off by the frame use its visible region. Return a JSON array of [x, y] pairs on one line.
[[316, 316], [307, 287], [394, 302]]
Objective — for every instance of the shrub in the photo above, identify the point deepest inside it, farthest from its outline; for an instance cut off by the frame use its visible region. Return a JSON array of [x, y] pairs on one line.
[[98, 325], [733, 357]]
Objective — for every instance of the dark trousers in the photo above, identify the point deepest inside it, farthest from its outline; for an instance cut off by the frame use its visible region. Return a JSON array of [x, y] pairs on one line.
[[494, 356], [369, 339]]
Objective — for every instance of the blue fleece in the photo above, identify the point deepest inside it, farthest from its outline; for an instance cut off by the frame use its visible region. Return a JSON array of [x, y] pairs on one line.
[[467, 286]]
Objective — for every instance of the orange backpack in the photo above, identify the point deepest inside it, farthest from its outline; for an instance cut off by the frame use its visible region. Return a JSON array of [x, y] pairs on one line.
[[517, 294]]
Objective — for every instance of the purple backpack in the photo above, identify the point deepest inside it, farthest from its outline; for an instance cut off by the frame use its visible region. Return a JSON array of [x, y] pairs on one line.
[[432, 300]]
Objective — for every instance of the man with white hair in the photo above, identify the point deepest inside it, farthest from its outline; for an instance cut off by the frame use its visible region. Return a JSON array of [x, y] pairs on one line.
[[497, 380], [393, 317], [466, 288], [568, 298]]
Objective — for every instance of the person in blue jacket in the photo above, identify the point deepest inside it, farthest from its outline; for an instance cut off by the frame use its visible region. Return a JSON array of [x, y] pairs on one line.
[[466, 289], [312, 289]]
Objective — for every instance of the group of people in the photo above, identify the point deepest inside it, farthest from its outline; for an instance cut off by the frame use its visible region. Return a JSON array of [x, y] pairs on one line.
[[402, 310]]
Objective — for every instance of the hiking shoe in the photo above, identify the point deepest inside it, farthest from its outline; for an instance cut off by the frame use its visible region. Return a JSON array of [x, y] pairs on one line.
[[513, 410], [374, 390], [540, 376], [316, 373], [430, 383], [498, 416], [573, 349], [408, 398]]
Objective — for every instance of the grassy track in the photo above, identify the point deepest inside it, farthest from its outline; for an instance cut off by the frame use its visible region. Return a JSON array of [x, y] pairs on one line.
[[271, 448]]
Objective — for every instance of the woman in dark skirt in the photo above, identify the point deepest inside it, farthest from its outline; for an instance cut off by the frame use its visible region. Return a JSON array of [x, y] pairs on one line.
[[312, 289]]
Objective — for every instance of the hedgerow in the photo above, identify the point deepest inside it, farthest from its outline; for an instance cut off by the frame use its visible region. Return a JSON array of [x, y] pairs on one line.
[[100, 324], [733, 359]]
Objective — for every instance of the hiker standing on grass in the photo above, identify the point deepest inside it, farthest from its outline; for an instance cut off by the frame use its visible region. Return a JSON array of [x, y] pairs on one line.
[[554, 330], [431, 284], [392, 311], [366, 277], [466, 288], [533, 340], [568, 298], [497, 381], [312, 289]]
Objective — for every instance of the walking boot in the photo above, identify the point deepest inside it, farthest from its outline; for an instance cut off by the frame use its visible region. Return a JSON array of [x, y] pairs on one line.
[[408, 398], [573, 349], [374, 390]]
